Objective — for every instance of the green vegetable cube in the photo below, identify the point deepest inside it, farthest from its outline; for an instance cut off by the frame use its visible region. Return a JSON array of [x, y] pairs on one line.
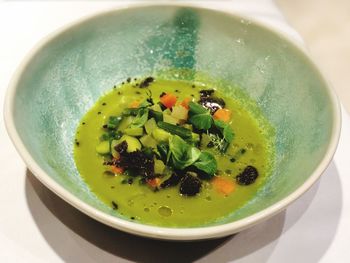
[[103, 147], [134, 131], [148, 141], [158, 166], [150, 125], [160, 135]]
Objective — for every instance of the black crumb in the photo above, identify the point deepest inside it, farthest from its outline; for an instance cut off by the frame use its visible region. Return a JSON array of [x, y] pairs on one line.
[[104, 104], [177, 91], [146, 82], [132, 218], [83, 123], [115, 206], [77, 143]]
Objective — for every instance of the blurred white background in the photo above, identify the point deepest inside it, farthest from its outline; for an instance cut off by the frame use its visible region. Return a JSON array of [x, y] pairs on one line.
[[325, 28]]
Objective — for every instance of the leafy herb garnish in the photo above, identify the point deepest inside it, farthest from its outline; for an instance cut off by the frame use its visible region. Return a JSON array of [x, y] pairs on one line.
[[199, 116], [206, 163], [182, 154]]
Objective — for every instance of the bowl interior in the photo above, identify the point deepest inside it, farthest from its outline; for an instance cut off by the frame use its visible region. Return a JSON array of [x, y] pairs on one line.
[[74, 68]]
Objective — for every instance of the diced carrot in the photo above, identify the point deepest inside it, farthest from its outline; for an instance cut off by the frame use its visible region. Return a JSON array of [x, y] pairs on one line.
[[153, 182], [168, 100], [135, 104], [185, 103], [222, 115], [117, 170], [223, 185]]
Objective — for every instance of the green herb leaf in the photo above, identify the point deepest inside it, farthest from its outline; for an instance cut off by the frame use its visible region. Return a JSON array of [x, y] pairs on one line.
[[140, 119], [225, 130], [113, 122], [200, 117], [195, 108], [206, 163], [182, 153]]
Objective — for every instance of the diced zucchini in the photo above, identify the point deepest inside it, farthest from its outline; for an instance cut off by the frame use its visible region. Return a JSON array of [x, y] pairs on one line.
[[113, 151], [133, 143], [195, 137], [179, 112], [160, 135], [148, 141], [150, 125], [134, 131], [170, 119], [158, 166], [103, 147], [156, 107], [126, 121], [205, 140]]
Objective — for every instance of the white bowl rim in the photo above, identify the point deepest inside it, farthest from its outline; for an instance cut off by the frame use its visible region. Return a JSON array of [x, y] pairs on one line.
[[155, 231]]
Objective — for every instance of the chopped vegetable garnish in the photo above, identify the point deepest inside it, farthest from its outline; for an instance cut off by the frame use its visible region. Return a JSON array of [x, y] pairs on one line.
[[168, 100]]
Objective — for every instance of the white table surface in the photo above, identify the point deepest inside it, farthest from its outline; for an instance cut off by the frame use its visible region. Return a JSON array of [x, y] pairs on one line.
[[37, 226]]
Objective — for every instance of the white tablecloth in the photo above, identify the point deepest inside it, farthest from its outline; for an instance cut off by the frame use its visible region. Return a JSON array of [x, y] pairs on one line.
[[37, 226]]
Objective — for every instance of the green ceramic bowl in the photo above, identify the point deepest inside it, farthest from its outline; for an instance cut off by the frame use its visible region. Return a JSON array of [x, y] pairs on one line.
[[69, 70]]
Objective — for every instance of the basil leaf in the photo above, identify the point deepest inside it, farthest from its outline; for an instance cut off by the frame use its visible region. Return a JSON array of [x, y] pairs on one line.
[[183, 154], [225, 130], [200, 117], [206, 163], [195, 108], [201, 121]]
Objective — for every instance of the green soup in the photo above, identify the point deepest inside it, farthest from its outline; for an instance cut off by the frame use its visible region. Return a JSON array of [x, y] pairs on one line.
[[251, 145]]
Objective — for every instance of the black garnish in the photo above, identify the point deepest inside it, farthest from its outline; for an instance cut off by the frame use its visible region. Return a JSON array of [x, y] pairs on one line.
[[190, 185], [121, 147], [99, 112], [212, 103], [146, 82], [177, 91], [77, 143], [172, 181], [232, 160], [104, 104], [115, 206], [248, 176], [83, 123], [136, 162], [123, 83], [128, 80], [119, 93], [105, 126], [242, 151], [132, 218], [162, 94], [130, 181], [206, 93], [114, 87], [209, 101]]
